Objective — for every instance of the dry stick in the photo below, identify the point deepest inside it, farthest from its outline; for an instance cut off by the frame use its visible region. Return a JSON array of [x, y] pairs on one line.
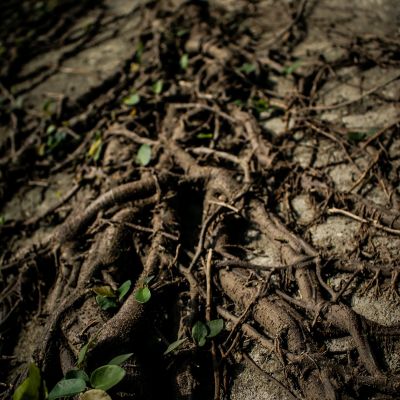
[[364, 174], [334, 139], [217, 394], [221, 154], [121, 131], [139, 228], [302, 263], [287, 28], [349, 102], [123, 193], [66, 197], [269, 376], [205, 107], [375, 223], [245, 314], [202, 235], [379, 133]]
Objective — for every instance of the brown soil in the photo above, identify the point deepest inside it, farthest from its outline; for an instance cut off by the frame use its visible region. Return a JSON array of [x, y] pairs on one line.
[[270, 199]]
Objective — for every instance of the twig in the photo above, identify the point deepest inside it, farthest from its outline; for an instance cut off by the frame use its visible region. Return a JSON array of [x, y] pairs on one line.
[[268, 376], [302, 263], [349, 102], [375, 223]]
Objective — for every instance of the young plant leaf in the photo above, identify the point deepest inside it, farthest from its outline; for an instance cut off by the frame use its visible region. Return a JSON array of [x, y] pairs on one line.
[[95, 394], [292, 67], [29, 389], [247, 68], [143, 295], [82, 353], [148, 279], [204, 135], [356, 136], [144, 155], [124, 289], [184, 61], [131, 100], [260, 105], [106, 303], [95, 149], [199, 333], [174, 345], [215, 327], [67, 387], [157, 86], [106, 377], [120, 359], [105, 291], [77, 374]]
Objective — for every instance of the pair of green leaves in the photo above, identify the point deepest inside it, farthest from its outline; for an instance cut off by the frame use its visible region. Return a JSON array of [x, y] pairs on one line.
[[203, 331], [200, 333], [102, 378], [107, 298]]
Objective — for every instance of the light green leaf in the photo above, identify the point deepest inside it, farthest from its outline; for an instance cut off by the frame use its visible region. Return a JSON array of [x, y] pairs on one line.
[[95, 149], [82, 353], [184, 61], [182, 32], [260, 105], [238, 103], [174, 345], [106, 303], [95, 394], [143, 295], [292, 67], [148, 279], [247, 68], [77, 374], [107, 376], [215, 327], [143, 156], [131, 100], [199, 333], [158, 86], [30, 387], [124, 289], [204, 135], [120, 359], [66, 388], [51, 129], [105, 291]]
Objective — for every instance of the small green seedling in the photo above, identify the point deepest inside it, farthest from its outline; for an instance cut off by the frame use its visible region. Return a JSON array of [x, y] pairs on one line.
[[205, 135], [247, 68], [107, 298], [32, 388], [201, 332], [260, 105], [174, 345], [131, 100], [157, 86], [103, 378], [143, 294], [143, 156], [355, 136], [184, 61], [292, 67], [96, 147]]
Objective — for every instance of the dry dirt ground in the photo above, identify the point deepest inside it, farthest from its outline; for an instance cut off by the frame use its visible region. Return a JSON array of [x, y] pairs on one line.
[[239, 159]]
